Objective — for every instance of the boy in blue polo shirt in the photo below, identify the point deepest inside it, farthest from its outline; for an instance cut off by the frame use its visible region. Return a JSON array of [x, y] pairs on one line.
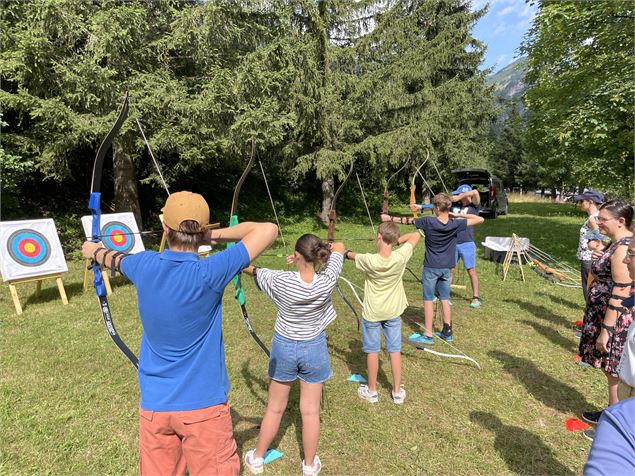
[[469, 201], [184, 416], [441, 233]]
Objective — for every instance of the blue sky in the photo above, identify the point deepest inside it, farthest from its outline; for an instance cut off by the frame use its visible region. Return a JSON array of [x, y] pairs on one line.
[[502, 29]]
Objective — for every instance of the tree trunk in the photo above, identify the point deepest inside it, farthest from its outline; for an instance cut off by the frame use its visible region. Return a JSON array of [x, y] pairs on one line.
[[328, 190], [126, 192]]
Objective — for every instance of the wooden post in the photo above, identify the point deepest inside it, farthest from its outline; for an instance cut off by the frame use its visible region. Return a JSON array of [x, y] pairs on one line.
[[514, 250], [60, 287], [87, 275], [16, 299]]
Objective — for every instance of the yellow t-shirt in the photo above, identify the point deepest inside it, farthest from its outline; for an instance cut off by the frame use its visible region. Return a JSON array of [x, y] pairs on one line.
[[384, 295]]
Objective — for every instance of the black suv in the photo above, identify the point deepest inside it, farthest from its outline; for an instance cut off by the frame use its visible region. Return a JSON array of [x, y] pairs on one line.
[[493, 195]]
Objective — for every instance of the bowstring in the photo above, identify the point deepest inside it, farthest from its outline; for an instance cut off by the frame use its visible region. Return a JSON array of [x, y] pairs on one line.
[[156, 164], [359, 182]]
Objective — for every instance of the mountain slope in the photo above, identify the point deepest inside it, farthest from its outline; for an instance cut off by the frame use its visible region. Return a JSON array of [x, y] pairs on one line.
[[508, 82]]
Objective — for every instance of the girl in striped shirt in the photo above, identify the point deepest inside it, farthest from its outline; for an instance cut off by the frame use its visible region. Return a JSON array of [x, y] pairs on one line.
[[298, 347]]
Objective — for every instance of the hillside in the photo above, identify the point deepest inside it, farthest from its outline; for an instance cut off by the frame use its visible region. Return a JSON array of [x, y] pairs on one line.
[[509, 80]]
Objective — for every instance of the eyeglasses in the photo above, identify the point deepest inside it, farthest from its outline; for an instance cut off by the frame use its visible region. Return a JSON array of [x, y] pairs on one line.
[[602, 219]]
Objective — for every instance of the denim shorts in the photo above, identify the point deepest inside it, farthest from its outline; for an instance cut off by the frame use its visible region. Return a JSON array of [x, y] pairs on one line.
[[467, 253], [439, 279], [371, 335], [307, 360]]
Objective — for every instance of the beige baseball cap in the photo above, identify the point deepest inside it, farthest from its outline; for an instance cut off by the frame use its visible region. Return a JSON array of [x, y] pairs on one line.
[[184, 206]]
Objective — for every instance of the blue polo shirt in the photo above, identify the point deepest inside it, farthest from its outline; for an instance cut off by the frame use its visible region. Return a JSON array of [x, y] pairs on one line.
[[182, 356], [613, 450]]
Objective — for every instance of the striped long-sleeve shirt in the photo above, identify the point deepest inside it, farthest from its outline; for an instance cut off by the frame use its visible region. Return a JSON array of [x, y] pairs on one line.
[[304, 309]]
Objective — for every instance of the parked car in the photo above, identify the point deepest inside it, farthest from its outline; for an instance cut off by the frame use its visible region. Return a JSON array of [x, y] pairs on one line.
[[493, 194]]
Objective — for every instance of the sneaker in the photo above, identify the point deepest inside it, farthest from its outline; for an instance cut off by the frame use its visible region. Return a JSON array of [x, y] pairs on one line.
[[422, 339], [444, 336], [400, 396], [592, 417], [314, 469], [255, 465], [476, 302], [589, 433], [364, 392]]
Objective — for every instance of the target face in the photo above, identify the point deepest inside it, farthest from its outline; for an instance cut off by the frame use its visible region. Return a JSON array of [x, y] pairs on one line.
[[118, 236], [119, 232], [29, 247]]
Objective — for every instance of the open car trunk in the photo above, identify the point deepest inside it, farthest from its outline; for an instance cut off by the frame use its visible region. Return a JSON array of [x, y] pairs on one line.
[[479, 179]]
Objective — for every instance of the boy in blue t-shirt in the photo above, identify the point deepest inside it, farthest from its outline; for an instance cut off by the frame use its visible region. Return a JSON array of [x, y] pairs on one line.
[[467, 202], [184, 416], [441, 232]]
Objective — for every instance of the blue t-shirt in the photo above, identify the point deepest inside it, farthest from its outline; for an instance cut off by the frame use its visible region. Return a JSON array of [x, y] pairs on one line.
[[441, 240], [182, 356], [466, 236], [613, 450]]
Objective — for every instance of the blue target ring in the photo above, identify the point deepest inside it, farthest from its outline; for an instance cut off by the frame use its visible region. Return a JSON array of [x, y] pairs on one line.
[[28, 247], [117, 236]]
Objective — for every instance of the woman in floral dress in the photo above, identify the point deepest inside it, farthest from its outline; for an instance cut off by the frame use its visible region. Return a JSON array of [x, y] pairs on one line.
[[605, 324]]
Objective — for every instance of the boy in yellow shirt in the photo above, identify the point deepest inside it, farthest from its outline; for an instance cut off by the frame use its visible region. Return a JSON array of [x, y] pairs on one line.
[[384, 301]]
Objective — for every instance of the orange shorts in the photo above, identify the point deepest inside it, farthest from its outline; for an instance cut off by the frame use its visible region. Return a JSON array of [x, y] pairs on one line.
[[201, 440]]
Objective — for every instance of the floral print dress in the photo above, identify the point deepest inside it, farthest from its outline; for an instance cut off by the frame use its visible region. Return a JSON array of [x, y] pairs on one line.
[[600, 292]]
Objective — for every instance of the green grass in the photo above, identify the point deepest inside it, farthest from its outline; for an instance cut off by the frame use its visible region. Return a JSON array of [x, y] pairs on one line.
[[68, 398]]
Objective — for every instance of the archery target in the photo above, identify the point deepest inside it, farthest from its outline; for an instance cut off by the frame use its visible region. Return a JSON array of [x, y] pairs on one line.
[[119, 232], [30, 248], [117, 236]]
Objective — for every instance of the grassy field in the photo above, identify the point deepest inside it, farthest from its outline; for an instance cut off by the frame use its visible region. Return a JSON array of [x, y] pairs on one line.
[[68, 397]]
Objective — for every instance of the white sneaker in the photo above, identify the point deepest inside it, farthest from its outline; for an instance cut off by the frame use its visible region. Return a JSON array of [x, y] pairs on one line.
[[364, 392], [255, 465], [312, 470], [400, 396]]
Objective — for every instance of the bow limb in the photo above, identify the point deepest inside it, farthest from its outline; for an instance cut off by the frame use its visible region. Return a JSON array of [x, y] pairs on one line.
[[94, 205], [348, 303], [452, 356], [350, 285], [384, 208], [239, 294], [332, 213]]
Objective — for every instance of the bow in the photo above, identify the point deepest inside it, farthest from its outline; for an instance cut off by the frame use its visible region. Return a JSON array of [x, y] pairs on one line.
[[460, 355], [240, 295], [94, 205], [331, 236]]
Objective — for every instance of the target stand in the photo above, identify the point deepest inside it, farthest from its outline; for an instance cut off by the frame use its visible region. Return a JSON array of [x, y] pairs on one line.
[[88, 275], [38, 280], [30, 251]]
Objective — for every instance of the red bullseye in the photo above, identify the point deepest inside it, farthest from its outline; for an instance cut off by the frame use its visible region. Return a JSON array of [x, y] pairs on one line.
[[29, 247], [118, 237]]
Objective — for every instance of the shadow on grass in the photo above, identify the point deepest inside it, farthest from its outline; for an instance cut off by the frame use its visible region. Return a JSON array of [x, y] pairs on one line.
[[564, 302], [291, 415], [553, 336], [50, 292], [523, 452], [541, 386], [541, 312]]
